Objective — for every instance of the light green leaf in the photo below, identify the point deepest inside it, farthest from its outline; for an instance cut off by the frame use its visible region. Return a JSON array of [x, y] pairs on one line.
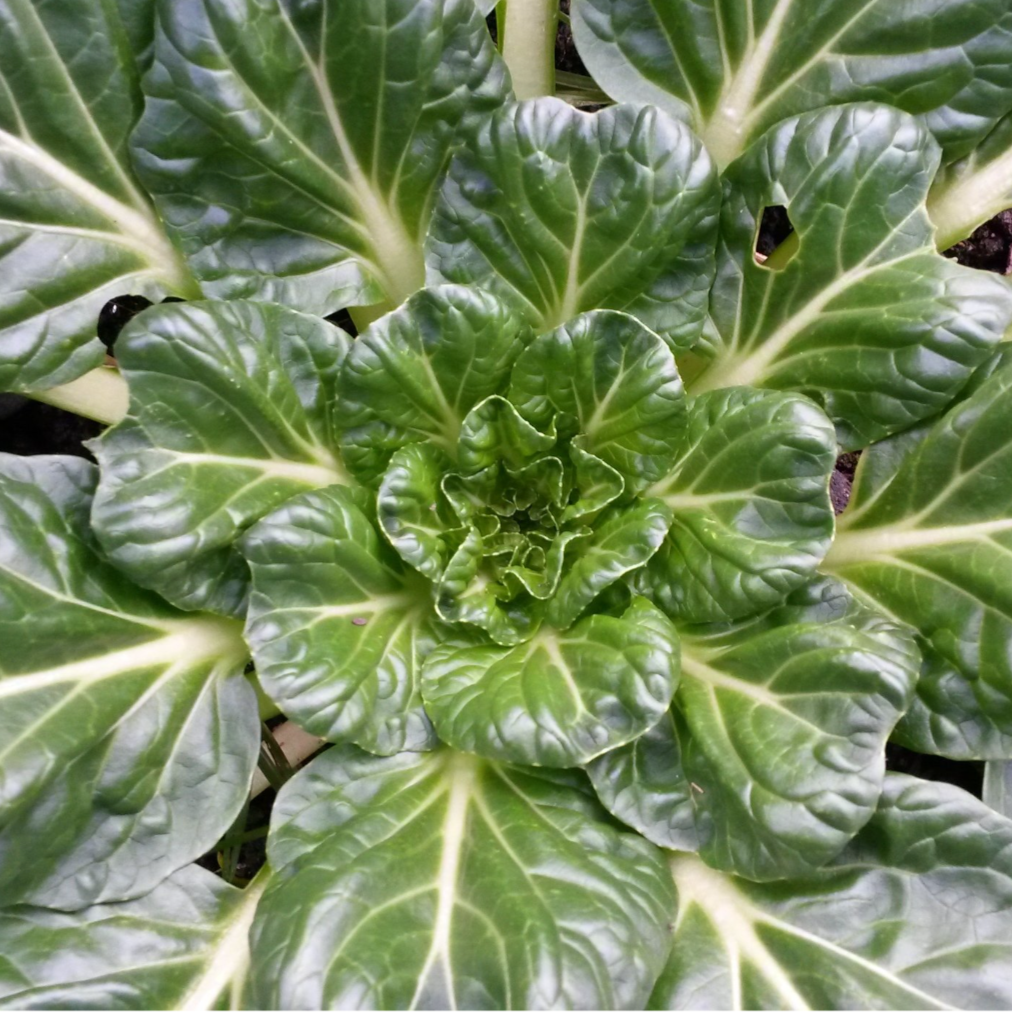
[[933, 546], [75, 227], [230, 414], [338, 629], [559, 212], [782, 728], [414, 375], [182, 946], [645, 785], [563, 697], [866, 316], [998, 786], [749, 491], [439, 880], [620, 541], [615, 383], [915, 913], [129, 734], [494, 433], [293, 149], [974, 189], [737, 68]]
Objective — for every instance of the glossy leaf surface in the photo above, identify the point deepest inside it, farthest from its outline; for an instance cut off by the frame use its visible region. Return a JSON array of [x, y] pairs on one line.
[[865, 317], [293, 148], [441, 880], [182, 946], [75, 227], [230, 414], [915, 913], [563, 697], [559, 212], [735, 68], [338, 629], [129, 734], [749, 491], [933, 543]]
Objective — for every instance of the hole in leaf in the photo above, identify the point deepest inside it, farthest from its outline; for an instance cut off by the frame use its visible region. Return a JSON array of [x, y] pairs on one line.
[[776, 241]]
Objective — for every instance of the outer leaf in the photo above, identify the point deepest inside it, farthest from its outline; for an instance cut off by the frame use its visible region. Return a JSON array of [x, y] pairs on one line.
[[229, 416], [182, 946], [998, 786], [562, 698], [441, 881], [737, 68], [75, 228], [927, 891], [781, 729], [414, 375], [337, 628], [129, 735], [866, 317], [618, 384], [933, 545], [645, 785], [335, 119], [558, 212], [750, 495]]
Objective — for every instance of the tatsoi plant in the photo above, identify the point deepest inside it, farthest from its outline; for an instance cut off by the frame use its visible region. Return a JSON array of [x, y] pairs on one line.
[[539, 552]]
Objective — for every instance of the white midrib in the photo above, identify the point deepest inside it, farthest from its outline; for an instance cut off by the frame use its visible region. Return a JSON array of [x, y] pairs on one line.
[[139, 229], [863, 545], [972, 198], [729, 912], [462, 773], [569, 304], [702, 672], [382, 602], [314, 475], [723, 135], [546, 641], [231, 954]]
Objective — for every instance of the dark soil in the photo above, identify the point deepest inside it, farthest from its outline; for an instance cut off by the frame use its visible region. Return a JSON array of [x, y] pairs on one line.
[[990, 246]]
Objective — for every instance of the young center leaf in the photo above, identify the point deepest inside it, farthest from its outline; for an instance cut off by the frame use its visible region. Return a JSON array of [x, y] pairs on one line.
[[339, 628], [749, 491], [230, 414], [415, 374], [293, 149], [735, 68], [559, 212], [75, 227], [184, 945], [776, 746], [440, 880], [129, 734], [932, 543], [866, 316], [915, 913], [561, 698], [613, 381]]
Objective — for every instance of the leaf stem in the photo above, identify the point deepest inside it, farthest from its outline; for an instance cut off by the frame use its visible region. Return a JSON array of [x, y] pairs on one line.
[[528, 46], [100, 395], [297, 746]]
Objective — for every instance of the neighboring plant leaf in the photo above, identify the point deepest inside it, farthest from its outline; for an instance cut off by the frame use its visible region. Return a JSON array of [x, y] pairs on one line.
[[230, 414], [749, 491], [614, 382], [338, 629], [75, 227], [998, 786], [415, 374], [915, 913], [934, 547], [866, 316], [182, 946], [559, 211], [129, 734], [780, 733], [563, 697], [974, 189], [293, 149], [737, 68], [439, 880]]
